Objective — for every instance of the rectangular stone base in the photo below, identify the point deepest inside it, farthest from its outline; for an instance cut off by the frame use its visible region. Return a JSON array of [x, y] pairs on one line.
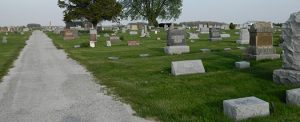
[[215, 39], [177, 49], [263, 57], [242, 41], [286, 76]]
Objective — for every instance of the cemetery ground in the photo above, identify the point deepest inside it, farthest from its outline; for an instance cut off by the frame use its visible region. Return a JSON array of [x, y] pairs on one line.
[[146, 83], [10, 51]]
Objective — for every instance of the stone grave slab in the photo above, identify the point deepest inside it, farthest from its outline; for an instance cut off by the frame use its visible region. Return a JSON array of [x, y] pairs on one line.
[[187, 67], [244, 108], [242, 65]]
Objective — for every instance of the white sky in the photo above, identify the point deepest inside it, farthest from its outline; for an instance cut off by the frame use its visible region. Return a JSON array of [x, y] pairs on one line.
[[22, 12]]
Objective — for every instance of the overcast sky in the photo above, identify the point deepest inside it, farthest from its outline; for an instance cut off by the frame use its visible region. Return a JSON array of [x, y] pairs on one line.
[[22, 12]]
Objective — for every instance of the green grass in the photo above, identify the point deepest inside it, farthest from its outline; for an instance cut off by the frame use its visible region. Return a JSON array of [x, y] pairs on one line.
[[148, 86], [10, 51]]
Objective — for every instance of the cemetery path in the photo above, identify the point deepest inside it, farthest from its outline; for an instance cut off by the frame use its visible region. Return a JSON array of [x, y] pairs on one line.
[[46, 86]]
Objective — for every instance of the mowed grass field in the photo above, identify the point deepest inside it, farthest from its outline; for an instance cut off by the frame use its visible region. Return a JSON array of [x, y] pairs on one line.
[[10, 51], [154, 93]]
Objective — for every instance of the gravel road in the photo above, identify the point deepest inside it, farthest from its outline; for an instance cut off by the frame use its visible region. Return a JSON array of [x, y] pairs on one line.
[[46, 86]]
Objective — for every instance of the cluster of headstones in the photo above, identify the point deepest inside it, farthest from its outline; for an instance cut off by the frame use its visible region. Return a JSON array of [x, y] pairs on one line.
[[244, 108]]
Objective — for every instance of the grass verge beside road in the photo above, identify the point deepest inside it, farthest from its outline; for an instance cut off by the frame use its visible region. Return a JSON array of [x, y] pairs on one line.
[[9, 52]]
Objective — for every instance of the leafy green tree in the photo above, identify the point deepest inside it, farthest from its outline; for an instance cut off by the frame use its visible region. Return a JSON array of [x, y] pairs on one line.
[[151, 10], [93, 11]]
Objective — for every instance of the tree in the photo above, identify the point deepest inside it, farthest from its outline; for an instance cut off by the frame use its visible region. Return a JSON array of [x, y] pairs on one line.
[[231, 26], [93, 11], [151, 10]]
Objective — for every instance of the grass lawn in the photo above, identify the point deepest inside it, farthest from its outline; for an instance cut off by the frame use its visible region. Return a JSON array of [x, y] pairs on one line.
[[10, 51], [148, 86]]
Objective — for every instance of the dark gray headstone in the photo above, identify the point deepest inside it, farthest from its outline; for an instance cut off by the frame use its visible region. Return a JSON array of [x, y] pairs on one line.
[[176, 37], [214, 34]]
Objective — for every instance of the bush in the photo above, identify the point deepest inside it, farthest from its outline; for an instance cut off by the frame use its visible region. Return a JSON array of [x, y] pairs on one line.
[[231, 26], [84, 44]]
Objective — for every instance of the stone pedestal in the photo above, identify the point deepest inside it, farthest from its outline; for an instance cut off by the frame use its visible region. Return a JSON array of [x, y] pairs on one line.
[[244, 108], [262, 53], [93, 38], [177, 50], [261, 42]]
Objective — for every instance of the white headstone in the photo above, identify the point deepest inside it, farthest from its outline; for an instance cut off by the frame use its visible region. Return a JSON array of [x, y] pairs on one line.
[[4, 40], [92, 44], [108, 43], [187, 67], [194, 36], [244, 37], [293, 97]]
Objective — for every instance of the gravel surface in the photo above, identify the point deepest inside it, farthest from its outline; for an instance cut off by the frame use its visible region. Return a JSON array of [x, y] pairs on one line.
[[46, 86]]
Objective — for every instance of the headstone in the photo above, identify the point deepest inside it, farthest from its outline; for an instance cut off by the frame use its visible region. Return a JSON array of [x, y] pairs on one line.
[[133, 32], [158, 38], [237, 33], [293, 97], [245, 108], [242, 48], [290, 72], [187, 67], [143, 33], [113, 58], [4, 40], [156, 32], [69, 34], [194, 36], [108, 43], [106, 35], [176, 42], [205, 50], [225, 35], [204, 30], [227, 49], [6, 34], [76, 46], [166, 27], [261, 42], [134, 27], [242, 65], [133, 43], [124, 30], [244, 36], [92, 44], [114, 39], [144, 55], [214, 34]]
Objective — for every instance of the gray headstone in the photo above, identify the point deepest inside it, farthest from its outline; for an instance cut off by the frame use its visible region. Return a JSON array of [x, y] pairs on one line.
[[244, 36], [205, 50], [225, 35], [214, 34], [176, 37], [244, 108], [113, 58], [227, 49], [114, 39], [4, 40], [187, 67], [76, 46], [144, 55], [242, 65], [194, 36]]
